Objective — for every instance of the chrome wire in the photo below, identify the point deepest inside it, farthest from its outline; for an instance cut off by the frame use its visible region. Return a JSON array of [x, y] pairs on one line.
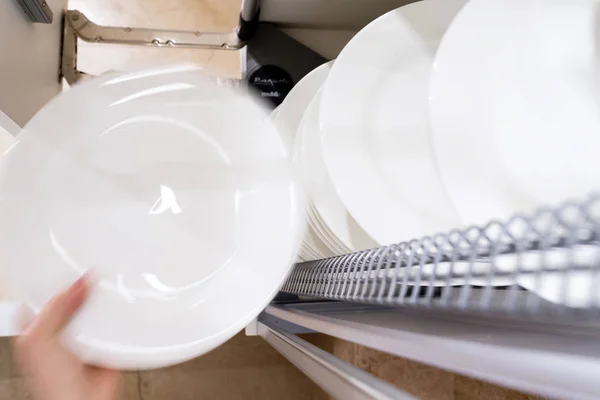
[[458, 269]]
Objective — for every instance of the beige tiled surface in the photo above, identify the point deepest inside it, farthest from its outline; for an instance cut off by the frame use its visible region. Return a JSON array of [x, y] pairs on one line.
[[248, 368], [15, 389], [243, 368], [470, 389], [258, 382], [194, 15], [130, 386], [5, 360]]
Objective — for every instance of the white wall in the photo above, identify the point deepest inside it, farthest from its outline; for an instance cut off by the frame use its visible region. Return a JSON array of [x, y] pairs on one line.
[[8, 309], [29, 60]]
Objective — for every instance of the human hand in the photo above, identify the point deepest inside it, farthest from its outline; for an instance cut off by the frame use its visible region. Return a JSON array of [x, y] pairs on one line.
[[54, 372]]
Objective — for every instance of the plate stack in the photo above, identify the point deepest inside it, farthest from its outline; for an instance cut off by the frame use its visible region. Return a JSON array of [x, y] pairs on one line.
[[330, 229], [437, 116], [362, 146]]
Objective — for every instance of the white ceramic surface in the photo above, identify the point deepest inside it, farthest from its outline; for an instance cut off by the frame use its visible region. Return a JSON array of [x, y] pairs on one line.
[[286, 119], [273, 114], [515, 114], [314, 246], [324, 233], [327, 232], [376, 134], [570, 288], [515, 105], [189, 218], [290, 112], [320, 189]]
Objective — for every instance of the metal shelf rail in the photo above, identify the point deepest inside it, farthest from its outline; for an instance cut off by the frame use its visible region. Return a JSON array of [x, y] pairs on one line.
[[515, 302], [339, 378]]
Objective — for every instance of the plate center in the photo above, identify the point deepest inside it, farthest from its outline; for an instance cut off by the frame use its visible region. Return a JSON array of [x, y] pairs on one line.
[[137, 187]]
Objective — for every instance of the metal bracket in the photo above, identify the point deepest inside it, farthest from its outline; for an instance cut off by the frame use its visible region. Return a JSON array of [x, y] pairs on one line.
[[88, 31], [68, 63], [78, 26], [338, 378]]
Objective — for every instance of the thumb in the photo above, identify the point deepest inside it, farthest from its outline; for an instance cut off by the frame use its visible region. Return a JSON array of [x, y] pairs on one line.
[[60, 309], [106, 383]]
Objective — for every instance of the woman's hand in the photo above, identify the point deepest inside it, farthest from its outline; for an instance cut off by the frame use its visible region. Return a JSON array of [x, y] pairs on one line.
[[55, 373]]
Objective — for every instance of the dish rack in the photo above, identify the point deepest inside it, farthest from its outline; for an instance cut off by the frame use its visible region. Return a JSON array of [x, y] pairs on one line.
[[433, 299], [430, 300]]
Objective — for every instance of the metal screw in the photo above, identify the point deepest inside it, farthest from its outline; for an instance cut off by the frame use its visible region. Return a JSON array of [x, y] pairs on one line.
[[156, 42], [197, 33], [98, 38], [170, 43], [128, 29], [75, 17], [44, 4]]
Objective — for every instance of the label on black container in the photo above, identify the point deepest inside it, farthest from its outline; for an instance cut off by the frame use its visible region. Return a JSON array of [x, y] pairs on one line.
[[272, 83]]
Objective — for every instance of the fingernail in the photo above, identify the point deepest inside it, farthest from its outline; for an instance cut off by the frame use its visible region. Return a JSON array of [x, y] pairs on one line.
[[80, 283]]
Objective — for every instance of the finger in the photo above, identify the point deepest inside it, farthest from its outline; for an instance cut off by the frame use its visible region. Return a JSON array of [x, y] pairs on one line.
[[25, 317], [58, 312], [106, 382]]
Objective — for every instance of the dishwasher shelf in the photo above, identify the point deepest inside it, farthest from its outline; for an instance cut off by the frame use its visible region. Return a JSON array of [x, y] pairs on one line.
[[542, 362], [515, 302], [553, 253]]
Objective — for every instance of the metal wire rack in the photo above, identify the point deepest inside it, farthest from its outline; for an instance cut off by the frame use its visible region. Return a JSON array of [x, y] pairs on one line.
[[544, 265]]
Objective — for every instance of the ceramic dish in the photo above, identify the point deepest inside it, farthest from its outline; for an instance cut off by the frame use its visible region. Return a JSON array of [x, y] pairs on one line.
[[189, 219], [515, 113], [290, 112], [273, 114], [346, 235], [375, 122], [324, 234]]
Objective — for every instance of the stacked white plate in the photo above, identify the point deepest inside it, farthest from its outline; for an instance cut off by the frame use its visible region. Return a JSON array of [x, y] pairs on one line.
[[327, 216], [436, 116], [297, 119], [514, 105], [375, 131], [330, 230], [362, 137]]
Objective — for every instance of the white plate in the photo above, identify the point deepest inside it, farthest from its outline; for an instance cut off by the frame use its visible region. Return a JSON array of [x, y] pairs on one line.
[[290, 112], [273, 114], [320, 189], [331, 237], [314, 245], [515, 112], [189, 218], [374, 116], [324, 234], [515, 106], [570, 288]]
